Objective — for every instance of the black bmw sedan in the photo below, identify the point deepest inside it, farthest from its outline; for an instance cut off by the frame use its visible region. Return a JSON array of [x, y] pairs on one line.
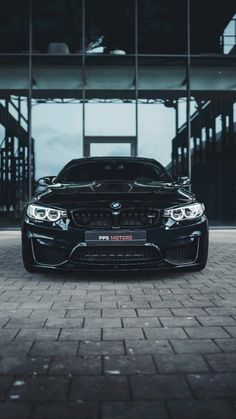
[[114, 213]]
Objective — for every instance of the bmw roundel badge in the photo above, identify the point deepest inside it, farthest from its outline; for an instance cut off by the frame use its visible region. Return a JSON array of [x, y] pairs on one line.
[[115, 205]]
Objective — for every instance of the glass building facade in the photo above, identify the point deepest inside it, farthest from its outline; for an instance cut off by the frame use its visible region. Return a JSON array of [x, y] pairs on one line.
[[154, 78]]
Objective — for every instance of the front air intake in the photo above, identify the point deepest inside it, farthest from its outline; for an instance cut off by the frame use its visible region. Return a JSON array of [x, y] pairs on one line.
[[115, 254], [183, 254], [45, 254]]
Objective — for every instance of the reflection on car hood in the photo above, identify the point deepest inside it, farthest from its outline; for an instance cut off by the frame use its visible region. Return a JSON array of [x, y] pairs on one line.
[[67, 196]]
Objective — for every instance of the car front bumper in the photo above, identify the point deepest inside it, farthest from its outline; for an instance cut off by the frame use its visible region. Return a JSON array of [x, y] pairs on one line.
[[179, 246]]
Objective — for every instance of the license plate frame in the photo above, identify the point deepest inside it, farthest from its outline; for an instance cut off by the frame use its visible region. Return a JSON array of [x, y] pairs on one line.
[[115, 238]]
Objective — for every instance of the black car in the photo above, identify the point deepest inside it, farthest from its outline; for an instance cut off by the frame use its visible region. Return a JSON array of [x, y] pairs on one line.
[[114, 213]]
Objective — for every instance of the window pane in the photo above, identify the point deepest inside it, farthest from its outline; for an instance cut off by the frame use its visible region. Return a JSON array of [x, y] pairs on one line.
[[162, 27], [57, 26], [57, 129], [109, 26], [13, 155], [162, 92], [213, 29], [14, 26]]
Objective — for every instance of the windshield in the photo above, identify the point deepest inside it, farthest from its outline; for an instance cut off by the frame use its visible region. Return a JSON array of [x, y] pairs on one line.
[[113, 170]]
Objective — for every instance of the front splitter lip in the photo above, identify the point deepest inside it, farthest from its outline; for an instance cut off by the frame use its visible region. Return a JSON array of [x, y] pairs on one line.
[[156, 266]]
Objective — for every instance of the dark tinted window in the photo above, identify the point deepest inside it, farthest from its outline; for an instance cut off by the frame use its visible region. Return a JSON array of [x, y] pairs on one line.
[[110, 170], [14, 26], [162, 26], [57, 26]]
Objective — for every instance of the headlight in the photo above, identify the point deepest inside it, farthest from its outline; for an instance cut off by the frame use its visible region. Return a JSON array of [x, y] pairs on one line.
[[42, 213], [187, 212]]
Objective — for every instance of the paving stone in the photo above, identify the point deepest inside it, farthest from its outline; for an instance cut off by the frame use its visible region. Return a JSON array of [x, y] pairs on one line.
[[133, 304], [3, 321], [108, 312], [102, 322], [221, 311], [197, 303], [129, 364], [194, 346], [216, 320], [66, 410], [100, 388], [165, 333], [39, 389], [46, 314], [201, 409], [72, 365], [231, 330], [118, 298], [141, 322], [80, 334], [179, 321], [5, 383], [222, 362], [18, 314], [15, 348], [24, 365], [54, 348], [189, 312], [8, 334], [227, 345], [206, 332], [101, 348], [68, 305], [159, 387], [213, 385], [84, 313], [36, 305], [11, 410], [10, 306], [164, 304], [154, 312], [38, 334], [134, 410], [147, 346], [116, 333], [26, 323], [64, 323], [181, 363], [100, 305]]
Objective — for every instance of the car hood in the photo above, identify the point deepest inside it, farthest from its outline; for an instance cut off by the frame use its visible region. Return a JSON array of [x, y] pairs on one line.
[[104, 192]]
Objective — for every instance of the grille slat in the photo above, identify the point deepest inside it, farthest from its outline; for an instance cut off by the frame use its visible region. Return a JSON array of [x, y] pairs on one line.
[[119, 254], [107, 218]]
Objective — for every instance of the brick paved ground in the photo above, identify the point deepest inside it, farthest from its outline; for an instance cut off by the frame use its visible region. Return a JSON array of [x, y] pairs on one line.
[[126, 346]]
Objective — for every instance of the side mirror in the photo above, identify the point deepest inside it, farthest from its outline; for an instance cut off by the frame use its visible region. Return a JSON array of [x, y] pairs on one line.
[[44, 181], [183, 180]]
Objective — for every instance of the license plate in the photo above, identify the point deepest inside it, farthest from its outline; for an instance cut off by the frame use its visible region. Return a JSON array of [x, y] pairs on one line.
[[115, 238]]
